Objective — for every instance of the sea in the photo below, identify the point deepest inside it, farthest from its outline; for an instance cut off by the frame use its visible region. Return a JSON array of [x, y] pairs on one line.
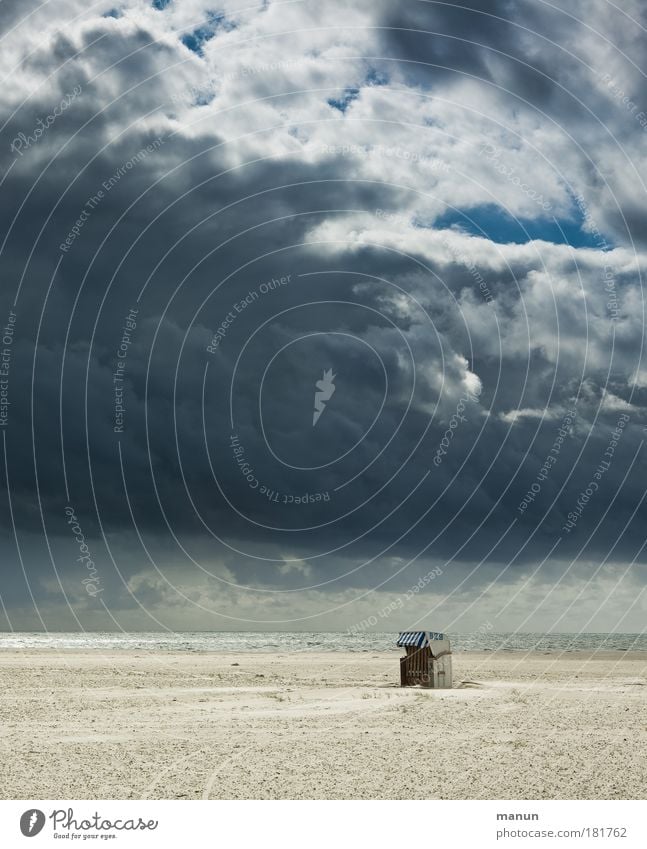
[[285, 641]]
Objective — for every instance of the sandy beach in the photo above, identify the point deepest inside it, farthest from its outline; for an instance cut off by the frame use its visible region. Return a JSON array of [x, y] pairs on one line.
[[132, 725]]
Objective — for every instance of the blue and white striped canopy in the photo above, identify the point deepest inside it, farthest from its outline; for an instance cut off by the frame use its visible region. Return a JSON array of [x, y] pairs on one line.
[[418, 638]]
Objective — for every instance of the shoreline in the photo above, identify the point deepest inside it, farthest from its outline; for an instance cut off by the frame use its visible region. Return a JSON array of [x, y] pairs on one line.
[[390, 653]]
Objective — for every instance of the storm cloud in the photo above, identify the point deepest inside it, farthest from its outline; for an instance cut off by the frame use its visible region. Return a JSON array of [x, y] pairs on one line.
[[423, 222]]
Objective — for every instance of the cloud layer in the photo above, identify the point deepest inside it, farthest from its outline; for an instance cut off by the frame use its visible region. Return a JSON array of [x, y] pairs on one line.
[[425, 219]]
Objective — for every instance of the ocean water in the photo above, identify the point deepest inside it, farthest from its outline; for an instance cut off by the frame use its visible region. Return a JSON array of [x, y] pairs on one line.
[[282, 642]]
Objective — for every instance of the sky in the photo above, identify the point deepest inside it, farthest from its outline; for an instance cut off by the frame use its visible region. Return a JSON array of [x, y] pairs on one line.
[[323, 316]]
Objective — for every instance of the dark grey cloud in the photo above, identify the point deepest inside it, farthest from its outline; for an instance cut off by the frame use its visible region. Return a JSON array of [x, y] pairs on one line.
[[247, 225]]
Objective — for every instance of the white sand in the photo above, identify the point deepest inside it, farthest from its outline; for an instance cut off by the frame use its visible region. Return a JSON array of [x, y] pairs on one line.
[[190, 726]]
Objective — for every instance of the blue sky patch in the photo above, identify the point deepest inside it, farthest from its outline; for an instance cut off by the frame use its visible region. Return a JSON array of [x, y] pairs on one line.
[[345, 100], [160, 4], [492, 222], [216, 22], [375, 77]]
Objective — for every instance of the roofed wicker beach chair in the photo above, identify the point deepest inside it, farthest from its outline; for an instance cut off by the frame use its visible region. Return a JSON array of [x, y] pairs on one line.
[[428, 661]]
